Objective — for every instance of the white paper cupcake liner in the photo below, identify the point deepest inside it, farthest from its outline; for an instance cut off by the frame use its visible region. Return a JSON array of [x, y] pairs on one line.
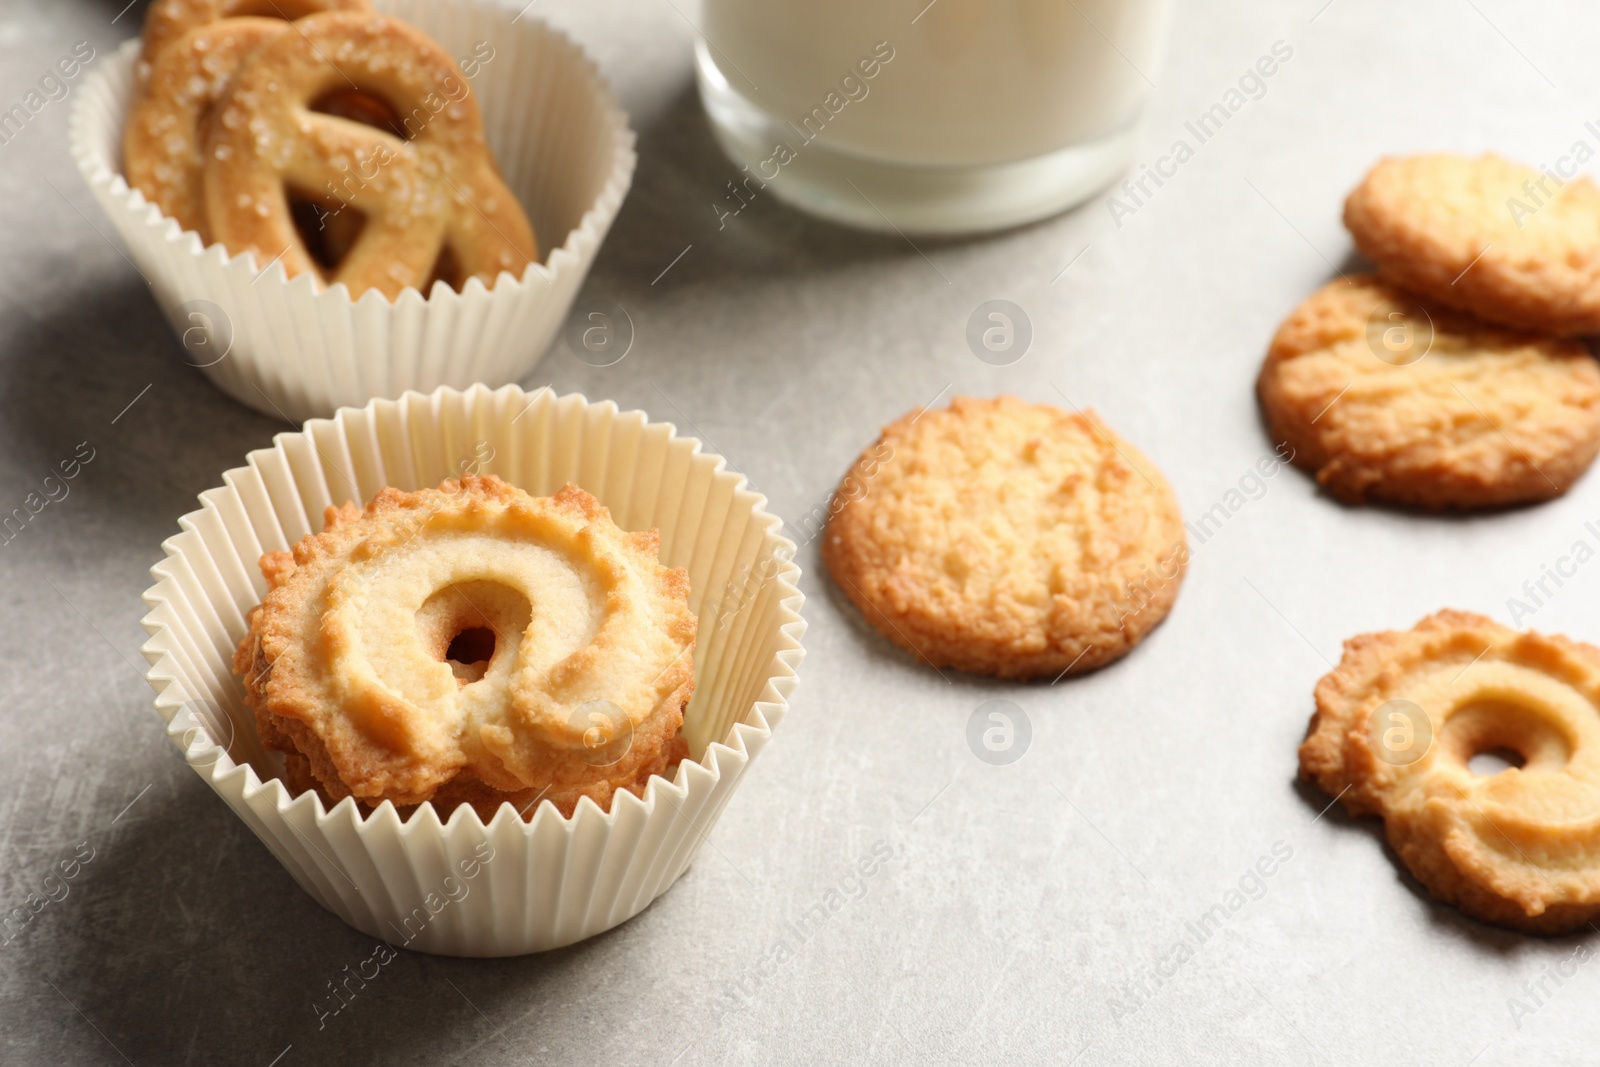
[[513, 886], [285, 348]]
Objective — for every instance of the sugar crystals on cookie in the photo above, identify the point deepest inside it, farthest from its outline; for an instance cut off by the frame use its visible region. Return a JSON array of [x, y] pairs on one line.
[[349, 148]]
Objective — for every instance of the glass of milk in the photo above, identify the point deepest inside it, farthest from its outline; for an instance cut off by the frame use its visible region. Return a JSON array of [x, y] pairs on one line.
[[953, 116]]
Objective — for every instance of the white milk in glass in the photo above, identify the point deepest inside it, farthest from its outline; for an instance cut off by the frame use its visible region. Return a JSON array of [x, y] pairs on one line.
[[955, 116]]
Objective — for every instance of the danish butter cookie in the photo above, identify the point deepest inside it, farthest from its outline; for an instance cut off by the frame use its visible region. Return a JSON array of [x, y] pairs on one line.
[[1007, 538], [1488, 236], [472, 644], [1387, 398], [1399, 719]]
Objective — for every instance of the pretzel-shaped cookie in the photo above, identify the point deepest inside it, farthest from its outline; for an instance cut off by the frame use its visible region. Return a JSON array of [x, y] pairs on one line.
[[432, 200], [163, 149], [169, 20]]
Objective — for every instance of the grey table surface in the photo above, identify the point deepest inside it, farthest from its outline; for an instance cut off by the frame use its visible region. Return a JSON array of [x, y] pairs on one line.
[[1033, 911]]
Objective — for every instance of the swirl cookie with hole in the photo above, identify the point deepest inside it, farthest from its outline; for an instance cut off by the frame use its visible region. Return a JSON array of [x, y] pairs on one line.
[[1506, 242], [1389, 398], [1398, 726], [1007, 538], [472, 644]]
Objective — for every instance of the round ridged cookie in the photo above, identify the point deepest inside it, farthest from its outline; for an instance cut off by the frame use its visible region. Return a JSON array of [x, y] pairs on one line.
[[1007, 538], [1395, 728], [1386, 398], [1487, 236]]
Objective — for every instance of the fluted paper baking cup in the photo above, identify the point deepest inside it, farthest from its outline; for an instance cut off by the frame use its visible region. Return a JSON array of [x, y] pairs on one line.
[[289, 347], [461, 887]]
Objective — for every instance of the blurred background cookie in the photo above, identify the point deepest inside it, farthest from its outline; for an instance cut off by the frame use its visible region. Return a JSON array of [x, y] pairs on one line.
[[164, 147], [1508, 243], [1007, 538], [168, 20], [1399, 722], [1388, 398]]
